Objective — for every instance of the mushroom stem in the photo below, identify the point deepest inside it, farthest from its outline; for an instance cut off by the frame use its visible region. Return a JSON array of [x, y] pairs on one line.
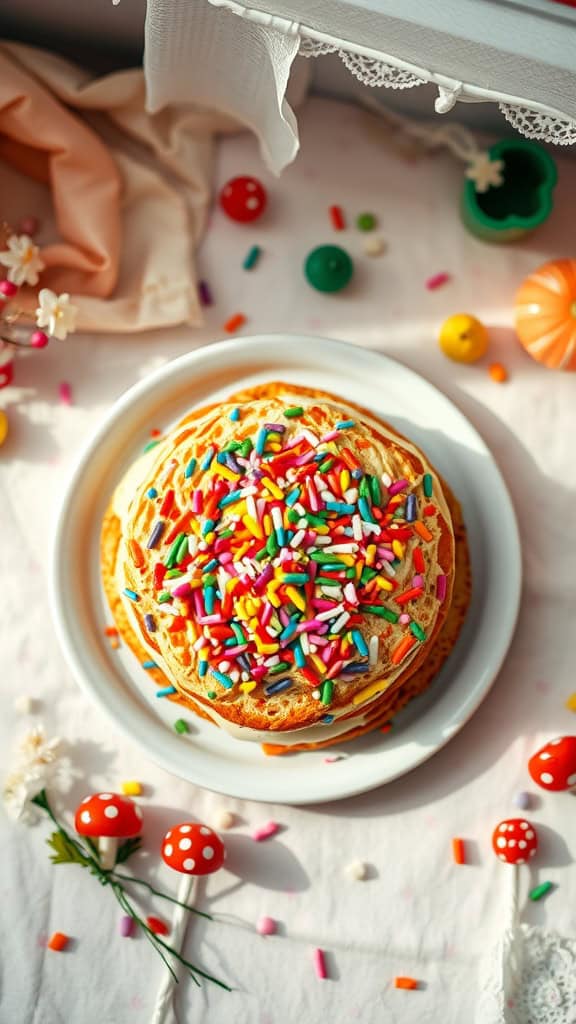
[[107, 847], [164, 1009]]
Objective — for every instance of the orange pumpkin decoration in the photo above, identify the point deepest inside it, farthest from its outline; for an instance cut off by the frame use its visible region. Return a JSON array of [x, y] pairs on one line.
[[546, 314]]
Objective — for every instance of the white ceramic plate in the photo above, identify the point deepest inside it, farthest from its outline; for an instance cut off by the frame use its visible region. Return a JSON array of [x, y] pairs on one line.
[[207, 756]]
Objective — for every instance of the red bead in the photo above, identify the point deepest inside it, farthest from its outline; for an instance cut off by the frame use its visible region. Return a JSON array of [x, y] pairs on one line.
[[38, 339], [243, 199], [6, 374], [157, 925], [8, 289]]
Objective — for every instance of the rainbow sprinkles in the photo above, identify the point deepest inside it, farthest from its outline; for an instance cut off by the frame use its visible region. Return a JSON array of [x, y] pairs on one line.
[[281, 561]]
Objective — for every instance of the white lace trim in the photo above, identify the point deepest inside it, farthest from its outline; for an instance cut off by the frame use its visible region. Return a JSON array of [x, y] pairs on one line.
[[544, 127], [375, 72], [368, 70], [380, 70], [312, 48], [530, 978]]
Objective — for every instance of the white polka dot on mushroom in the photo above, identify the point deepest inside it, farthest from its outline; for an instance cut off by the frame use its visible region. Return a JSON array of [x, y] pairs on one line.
[[205, 831], [571, 780], [185, 844], [208, 852], [111, 811], [522, 844], [105, 796], [189, 864], [185, 828], [501, 842], [546, 777], [502, 828], [524, 825], [545, 755], [85, 816], [86, 799], [168, 849], [168, 834], [530, 834]]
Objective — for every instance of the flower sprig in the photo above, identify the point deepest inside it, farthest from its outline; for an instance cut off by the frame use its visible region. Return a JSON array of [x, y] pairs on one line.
[[66, 849], [55, 315]]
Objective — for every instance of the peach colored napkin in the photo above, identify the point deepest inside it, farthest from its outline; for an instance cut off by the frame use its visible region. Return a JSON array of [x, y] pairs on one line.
[[127, 190]]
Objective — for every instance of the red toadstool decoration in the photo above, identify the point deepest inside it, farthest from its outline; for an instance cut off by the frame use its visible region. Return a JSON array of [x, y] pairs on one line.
[[108, 817], [193, 849], [554, 766], [514, 841]]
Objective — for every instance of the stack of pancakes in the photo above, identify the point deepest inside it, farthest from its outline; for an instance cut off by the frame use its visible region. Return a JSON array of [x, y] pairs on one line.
[[294, 567]]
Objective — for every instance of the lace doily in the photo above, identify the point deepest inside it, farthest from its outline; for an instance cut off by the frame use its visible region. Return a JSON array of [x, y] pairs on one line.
[[533, 125], [530, 979], [312, 48], [374, 72], [368, 70]]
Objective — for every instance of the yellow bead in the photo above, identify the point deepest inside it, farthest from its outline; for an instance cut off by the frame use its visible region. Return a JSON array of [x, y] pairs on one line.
[[463, 338], [131, 788], [571, 702], [3, 426]]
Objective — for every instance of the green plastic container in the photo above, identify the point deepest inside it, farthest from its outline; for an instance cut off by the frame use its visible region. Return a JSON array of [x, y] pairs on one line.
[[522, 203]]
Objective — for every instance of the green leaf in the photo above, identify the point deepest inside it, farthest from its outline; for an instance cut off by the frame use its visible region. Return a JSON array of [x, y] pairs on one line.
[[126, 849], [65, 852], [41, 800]]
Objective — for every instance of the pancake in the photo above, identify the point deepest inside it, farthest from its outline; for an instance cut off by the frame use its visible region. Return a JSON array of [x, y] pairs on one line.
[[281, 681]]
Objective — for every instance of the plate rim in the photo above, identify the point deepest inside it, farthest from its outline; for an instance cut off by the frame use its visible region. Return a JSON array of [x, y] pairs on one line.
[[113, 415]]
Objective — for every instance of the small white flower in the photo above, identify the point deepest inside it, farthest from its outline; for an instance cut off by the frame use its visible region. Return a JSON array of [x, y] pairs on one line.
[[36, 749], [39, 764], [23, 260], [485, 172], [56, 313]]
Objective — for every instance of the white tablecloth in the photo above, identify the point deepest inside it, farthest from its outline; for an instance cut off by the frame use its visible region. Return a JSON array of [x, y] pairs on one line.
[[417, 914]]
